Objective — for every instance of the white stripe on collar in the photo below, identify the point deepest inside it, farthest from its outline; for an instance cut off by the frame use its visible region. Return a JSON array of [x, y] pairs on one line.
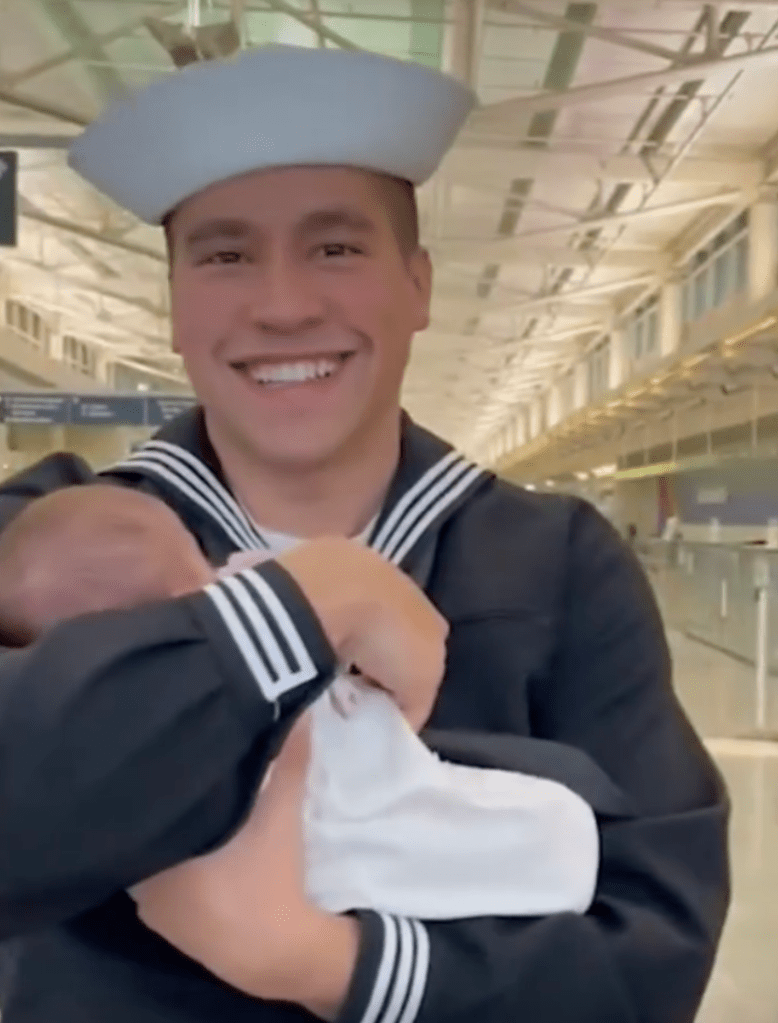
[[422, 503], [195, 480]]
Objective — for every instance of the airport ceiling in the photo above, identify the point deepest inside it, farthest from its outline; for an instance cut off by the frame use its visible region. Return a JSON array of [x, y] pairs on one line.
[[610, 139]]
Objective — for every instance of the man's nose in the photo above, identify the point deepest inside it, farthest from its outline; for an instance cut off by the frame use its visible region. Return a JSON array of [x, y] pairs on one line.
[[283, 298]]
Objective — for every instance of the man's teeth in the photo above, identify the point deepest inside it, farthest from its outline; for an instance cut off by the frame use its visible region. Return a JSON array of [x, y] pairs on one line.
[[294, 372]]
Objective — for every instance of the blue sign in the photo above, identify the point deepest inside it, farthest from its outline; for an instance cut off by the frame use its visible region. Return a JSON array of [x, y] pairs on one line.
[[162, 410], [8, 201], [50, 408], [107, 410], [37, 409]]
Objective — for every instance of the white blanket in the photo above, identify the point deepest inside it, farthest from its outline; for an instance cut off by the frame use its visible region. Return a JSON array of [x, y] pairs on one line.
[[390, 827]]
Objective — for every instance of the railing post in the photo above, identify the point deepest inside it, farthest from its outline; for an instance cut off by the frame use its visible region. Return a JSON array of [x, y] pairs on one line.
[[762, 585]]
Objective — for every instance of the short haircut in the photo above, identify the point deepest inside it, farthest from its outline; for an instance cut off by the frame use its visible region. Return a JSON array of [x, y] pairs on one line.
[[401, 207]]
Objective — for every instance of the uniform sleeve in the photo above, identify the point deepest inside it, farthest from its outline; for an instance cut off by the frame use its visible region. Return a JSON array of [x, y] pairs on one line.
[[645, 949], [133, 740]]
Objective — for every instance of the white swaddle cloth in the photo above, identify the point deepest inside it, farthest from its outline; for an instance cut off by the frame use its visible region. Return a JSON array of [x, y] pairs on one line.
[[389, 826]]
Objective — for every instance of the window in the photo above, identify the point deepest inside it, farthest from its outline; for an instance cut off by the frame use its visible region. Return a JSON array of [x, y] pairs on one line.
[[641, 331], [700, 304], [721, 272], [79, 355], [741, 263], [652, 330], [717, 272], [598, 369], [27, 322]]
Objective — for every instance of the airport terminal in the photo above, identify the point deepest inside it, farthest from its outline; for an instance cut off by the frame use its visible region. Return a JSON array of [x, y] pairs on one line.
[[604, 315]]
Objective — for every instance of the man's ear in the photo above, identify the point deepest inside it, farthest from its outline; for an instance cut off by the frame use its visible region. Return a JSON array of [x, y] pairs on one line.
[[420, 271]]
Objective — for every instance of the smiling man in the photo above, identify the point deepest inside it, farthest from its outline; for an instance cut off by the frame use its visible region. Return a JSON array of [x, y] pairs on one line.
[[327, 262], [133, 741]]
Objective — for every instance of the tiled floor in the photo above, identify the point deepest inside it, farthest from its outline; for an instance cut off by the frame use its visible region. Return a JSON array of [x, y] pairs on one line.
[[718, 693]]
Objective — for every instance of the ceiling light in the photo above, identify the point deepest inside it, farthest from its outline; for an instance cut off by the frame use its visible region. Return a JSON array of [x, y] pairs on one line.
[[206, 42]]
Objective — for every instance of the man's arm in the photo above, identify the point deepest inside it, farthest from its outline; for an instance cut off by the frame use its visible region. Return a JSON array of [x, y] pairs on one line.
[[133, 740], [645, 949]]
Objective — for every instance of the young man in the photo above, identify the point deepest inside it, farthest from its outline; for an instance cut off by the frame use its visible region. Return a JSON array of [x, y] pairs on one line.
[[133, 742]]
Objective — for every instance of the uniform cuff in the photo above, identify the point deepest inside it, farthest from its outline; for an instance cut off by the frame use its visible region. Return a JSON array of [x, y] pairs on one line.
[[261, 615], [391, 972]]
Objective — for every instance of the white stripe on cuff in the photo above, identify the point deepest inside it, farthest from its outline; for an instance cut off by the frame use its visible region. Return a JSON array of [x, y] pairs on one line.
[[419, 980], [385, 969], [253, 635], [402, 973]]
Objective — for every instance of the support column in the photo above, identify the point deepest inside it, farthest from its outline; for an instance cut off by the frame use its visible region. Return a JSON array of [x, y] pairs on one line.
[[616, 373], [521, 432], [534, 418], [762, 249], [102, 364], [554, 405], [669, 317], [580, 386]]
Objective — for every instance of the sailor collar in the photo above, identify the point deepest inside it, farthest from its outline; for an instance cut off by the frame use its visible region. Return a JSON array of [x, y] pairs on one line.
[[431, 482]]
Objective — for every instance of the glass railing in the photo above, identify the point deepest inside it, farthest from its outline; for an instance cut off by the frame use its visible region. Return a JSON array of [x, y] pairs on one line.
[[727, 596]]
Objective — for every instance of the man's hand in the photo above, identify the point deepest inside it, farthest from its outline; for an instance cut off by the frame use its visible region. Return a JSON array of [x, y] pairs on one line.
[[242, 911], [85, 549], [376, 618]]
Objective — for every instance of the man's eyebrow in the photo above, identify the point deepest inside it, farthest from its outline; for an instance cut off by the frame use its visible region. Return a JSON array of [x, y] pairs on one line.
[[325, 220], [213, 229]]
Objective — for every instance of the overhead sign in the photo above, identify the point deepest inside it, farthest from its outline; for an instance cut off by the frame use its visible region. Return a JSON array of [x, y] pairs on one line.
[[8, 199], [107, 410], [36, 409], [162, 410], [50, 408]]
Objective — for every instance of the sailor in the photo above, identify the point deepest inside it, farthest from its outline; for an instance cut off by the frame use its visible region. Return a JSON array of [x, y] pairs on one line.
[[509, 626]]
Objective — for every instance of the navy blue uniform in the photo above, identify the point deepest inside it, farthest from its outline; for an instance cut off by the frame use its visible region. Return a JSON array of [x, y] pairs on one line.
[[132, 740]]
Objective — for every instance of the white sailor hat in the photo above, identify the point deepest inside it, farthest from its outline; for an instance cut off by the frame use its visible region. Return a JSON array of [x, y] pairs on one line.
[[275, 106]]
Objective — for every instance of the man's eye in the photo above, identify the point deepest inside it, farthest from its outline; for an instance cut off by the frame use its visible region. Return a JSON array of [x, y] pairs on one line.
[[337, 249], [224, 257]]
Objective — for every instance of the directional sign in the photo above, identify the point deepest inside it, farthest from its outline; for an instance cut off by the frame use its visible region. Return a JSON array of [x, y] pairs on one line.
[[47, 408], [162, 410], [107, 410], [8, 201], [36, 409]]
